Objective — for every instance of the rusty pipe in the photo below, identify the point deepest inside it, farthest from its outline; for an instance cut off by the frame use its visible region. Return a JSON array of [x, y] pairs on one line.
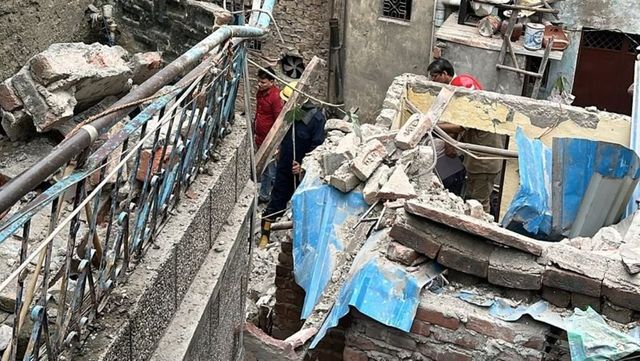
[[14, 190]]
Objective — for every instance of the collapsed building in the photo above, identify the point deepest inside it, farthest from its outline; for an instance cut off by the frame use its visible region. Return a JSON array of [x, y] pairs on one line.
[[395, 267]]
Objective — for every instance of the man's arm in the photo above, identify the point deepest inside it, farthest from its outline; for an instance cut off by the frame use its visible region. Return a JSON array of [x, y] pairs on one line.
[[276, 105], [451, 129]]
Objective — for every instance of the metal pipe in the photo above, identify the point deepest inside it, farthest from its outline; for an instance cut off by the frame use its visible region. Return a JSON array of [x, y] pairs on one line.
[[11, 192]]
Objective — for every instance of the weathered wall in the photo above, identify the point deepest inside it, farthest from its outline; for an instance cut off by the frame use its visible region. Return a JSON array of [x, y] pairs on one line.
[[482, 65], [615, 15], [210, 227], [28, 27], [379, 49]]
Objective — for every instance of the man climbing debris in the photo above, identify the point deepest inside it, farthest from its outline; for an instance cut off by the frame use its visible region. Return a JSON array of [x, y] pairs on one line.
[[306, 133], [268, 107], [481, 173]]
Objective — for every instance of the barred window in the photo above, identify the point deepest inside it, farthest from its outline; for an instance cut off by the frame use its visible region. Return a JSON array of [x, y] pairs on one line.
[[608, 40], [397, 9]]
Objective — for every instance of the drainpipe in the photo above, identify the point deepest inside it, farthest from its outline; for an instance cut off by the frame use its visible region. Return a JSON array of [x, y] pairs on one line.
[[11, 192], [335, 71]]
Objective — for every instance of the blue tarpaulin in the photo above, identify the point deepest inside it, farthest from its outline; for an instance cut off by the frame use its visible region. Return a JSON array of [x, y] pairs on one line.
[[319, 213], [530, 210], [380, 289]]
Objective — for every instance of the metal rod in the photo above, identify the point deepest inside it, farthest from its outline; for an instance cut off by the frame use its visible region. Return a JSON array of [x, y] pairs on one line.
[[11, 192]]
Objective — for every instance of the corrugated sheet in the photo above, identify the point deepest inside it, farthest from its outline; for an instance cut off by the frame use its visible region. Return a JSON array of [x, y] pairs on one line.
[[319, 215], [380, 289]]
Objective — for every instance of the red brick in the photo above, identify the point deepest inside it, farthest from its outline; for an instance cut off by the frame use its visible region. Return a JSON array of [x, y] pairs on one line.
[[514, 332], [435, 317], [412, 237], [145, 157], [556, 297], [571, 281], [403, 254], [582, 302], [466, 261], [454, 355], [421, 328], [460, 337], [351, 354], [360, 341]]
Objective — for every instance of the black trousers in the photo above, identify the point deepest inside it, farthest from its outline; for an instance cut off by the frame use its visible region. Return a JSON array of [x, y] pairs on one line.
[[283, 189]]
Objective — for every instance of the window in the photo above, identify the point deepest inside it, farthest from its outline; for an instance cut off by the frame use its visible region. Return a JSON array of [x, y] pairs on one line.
[[397, 9], [608, 40]]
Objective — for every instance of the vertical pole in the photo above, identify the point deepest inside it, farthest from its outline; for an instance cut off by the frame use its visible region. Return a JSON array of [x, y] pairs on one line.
[[634, 142]]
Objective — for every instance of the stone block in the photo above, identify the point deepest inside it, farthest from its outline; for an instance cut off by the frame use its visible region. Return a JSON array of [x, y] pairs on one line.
[[583, 301], [144, 65], [620, 287], [343, 179], [405, 255], [45, 107], [377, 180], [557, 297], [17, 125], [9, 100], [571, 282], [514, 269], [616, 313], [398, 186], [369, 157], [338, 124]]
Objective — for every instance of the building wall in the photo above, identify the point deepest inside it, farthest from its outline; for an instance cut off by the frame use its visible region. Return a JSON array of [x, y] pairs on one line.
[[379, 49], [615, 15], [29, 27]]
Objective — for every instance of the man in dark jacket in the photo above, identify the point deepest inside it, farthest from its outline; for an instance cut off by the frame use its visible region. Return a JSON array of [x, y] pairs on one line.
[[307, 129]]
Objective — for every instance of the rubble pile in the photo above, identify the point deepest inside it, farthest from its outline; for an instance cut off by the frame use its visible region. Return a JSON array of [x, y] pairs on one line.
[[65, 80]]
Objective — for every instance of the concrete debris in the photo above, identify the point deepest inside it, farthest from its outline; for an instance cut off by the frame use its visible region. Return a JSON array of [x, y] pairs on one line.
[[66, 78], [332, 124], [370, 156], [343, 179], [377, 180], [398, 186], [20, 156], [5, 336]]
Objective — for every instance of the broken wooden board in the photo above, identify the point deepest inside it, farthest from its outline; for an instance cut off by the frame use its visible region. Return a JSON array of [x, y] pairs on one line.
[[477, 227], [280, 127], [418, 125]]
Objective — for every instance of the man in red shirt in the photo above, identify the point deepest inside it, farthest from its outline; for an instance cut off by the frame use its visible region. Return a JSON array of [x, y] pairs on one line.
[[268, 107], [481, 174]]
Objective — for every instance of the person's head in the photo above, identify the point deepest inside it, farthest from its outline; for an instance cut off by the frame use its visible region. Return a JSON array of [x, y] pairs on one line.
[[441, 71], [265, 79]]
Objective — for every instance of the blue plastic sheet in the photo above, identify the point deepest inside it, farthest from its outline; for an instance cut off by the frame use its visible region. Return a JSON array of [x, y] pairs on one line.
[[530, 211], [380, 289], [590, 337], [319, 214]]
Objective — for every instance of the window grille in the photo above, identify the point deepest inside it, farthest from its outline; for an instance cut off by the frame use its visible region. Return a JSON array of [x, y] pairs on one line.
[[397, 9], [608, 40]]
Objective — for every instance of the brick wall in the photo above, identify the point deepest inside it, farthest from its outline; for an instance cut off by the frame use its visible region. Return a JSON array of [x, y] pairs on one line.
[[446, 328]]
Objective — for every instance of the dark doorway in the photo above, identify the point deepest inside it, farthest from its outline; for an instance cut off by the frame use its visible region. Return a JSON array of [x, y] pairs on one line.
[[605, 70]]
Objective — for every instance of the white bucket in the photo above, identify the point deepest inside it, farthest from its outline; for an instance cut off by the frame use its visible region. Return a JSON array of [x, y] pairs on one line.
[[533, 35]]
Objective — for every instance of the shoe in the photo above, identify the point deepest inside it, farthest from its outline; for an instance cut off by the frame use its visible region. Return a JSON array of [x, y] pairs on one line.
[[266, 233]]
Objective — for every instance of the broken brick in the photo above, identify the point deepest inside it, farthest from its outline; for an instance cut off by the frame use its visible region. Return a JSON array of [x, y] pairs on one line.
[[9, 100], [616, 313], [514, 269], [413, 131], [369, 157], [438, 314], [398, 186], [416, 234], [465, 253], [583, 301], [405, 255], [620, 287], [421, 328], [343, 179], [512, 332], [145, 158], [372, 187]]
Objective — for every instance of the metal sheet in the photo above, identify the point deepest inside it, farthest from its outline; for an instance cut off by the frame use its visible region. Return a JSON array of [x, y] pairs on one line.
[[380, 289], [635, 133], [320, 214]]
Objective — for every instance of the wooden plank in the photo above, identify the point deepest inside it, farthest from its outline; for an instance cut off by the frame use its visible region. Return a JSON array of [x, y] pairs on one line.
[[518, 70], [280, 127], [417, 127], [477, 227], [468, 35], [543, 68]]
